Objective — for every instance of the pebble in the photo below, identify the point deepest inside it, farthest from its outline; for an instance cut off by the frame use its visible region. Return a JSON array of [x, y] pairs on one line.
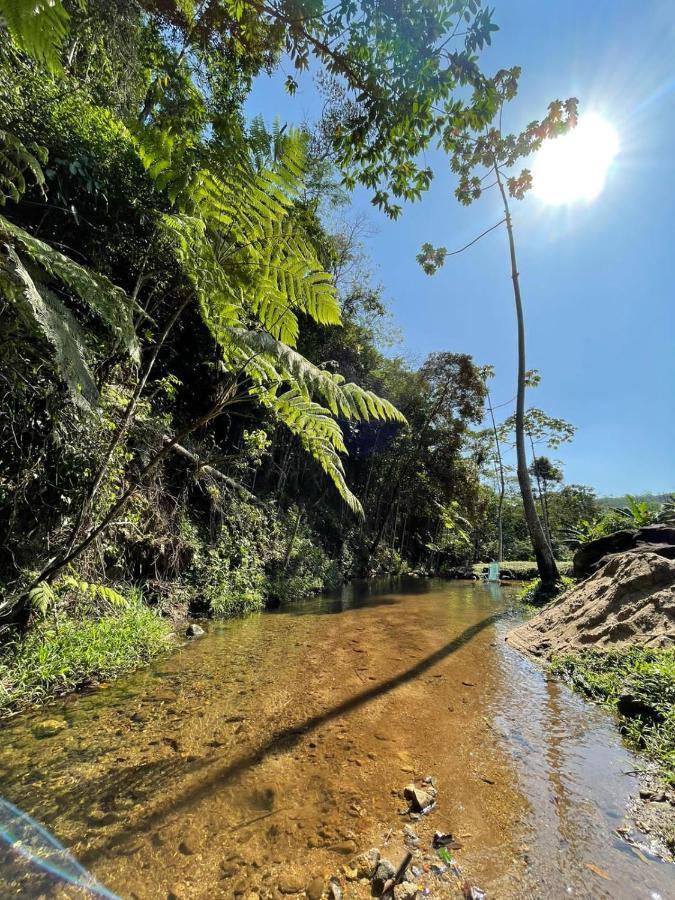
[[344, 847], [49, 727], [290, 884], [314, 889]]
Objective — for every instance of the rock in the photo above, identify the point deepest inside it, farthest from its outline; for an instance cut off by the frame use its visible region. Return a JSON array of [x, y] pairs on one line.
[[366, 863], [634, 703], [194, 630], [334, 891], [350, 873], [419, 798], [49, 727], [384, 871], [177, 892], [187, 847], [346, 847], [314, 889], [631, 600], [410, 836], [291, 884], [405, 891], [592, 552]]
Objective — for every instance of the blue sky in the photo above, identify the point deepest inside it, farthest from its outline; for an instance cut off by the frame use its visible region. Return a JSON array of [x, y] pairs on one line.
[[597, 279]]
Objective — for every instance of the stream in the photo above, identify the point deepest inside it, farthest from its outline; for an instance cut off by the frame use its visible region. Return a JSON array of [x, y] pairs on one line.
[[269, 752]]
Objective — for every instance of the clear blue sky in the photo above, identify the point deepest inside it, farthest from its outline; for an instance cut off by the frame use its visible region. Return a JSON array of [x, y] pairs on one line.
[[597, 280]]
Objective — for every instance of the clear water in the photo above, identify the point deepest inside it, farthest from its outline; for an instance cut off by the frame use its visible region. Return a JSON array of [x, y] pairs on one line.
[[277, 747]]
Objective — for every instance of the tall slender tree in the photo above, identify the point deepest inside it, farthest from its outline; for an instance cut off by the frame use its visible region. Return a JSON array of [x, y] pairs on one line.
[[477, 154]]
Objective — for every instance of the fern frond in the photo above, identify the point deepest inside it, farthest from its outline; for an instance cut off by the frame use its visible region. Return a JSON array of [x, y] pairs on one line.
[[108, 302], [41, 597], [15, 160], [344, 399], [43, 312], [38, 28], [319, 434], [98, 591]]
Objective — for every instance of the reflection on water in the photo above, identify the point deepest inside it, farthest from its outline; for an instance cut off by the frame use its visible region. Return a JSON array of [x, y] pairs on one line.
[[276, 747]]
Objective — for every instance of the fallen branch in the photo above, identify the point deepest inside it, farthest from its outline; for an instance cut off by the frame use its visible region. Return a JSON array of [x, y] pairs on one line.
[[388, 889]]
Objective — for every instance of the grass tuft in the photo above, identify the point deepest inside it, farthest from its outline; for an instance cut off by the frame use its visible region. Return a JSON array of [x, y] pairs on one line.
[[62, 654], [638, 683]]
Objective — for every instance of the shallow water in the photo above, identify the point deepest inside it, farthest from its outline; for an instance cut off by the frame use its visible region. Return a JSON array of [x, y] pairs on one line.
[[277, 747]]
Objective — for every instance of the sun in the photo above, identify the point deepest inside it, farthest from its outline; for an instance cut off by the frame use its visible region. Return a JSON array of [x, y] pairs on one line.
[[575, 166]]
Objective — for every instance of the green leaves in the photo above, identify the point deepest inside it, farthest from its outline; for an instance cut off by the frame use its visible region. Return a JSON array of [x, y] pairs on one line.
[[15, 161], [38, 27]]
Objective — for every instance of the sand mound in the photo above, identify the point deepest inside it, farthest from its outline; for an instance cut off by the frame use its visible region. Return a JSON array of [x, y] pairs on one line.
[[631, 600]]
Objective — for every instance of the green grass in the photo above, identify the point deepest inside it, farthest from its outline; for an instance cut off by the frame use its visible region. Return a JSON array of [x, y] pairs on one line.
[[534, 594], [61, 655], [525, 570], [649, 676]]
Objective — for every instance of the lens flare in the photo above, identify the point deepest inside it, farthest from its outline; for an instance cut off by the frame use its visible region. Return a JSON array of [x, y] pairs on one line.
[[574, 167], [29, 840]]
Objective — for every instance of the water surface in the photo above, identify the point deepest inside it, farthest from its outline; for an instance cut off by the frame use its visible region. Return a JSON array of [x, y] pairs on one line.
[[277, 747]]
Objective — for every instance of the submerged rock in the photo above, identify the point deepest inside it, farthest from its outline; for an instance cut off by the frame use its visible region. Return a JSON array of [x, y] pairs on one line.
[[49, 727], [193, 630], [291, 884], [314, 889]]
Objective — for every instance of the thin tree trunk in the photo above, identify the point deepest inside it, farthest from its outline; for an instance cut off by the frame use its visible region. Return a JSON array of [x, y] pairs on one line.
[[546, 564], [540, 491], [502, 484], [55, 567], [121, 429]]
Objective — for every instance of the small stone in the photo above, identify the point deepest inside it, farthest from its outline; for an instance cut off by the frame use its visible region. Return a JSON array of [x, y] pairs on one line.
[[385, 870], [350, 874], [334, 891], [345, 847], [194, 630], [366, 863], [290, 884], [405, 891], [410, 836], [177, 892], [314, 889], [419, 798], [49, 727]]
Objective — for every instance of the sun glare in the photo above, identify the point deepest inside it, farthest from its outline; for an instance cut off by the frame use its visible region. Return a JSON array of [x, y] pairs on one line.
[[574, 167]]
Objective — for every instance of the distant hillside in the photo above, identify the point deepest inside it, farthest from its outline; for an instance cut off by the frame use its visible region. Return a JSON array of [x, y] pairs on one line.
[[653, 499]]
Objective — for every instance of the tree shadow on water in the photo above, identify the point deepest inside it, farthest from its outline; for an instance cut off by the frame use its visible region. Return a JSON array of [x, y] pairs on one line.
[[285, 738]]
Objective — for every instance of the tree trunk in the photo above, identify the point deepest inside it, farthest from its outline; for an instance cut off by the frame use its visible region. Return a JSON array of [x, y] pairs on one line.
[[546, 565], [502, 485]]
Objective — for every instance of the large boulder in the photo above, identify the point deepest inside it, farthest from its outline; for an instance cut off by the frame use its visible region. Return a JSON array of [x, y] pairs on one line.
[[591, 557], [588, 555], [631, 600]]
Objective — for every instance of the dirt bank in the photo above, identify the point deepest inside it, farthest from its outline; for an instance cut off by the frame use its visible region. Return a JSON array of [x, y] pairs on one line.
[[631, 600]]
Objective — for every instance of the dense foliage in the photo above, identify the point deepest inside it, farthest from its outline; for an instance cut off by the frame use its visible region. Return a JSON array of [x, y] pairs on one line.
[[198, 412]]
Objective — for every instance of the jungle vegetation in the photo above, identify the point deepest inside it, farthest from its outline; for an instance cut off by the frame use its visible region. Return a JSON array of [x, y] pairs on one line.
[[199, 408]]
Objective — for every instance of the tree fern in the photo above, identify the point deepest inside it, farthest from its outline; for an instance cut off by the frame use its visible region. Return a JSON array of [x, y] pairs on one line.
[[106, 301], [38, 27], [15, 161]]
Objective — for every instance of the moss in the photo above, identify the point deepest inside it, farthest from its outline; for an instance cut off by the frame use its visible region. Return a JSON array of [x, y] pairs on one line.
[[639, 685], [60, 655]]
